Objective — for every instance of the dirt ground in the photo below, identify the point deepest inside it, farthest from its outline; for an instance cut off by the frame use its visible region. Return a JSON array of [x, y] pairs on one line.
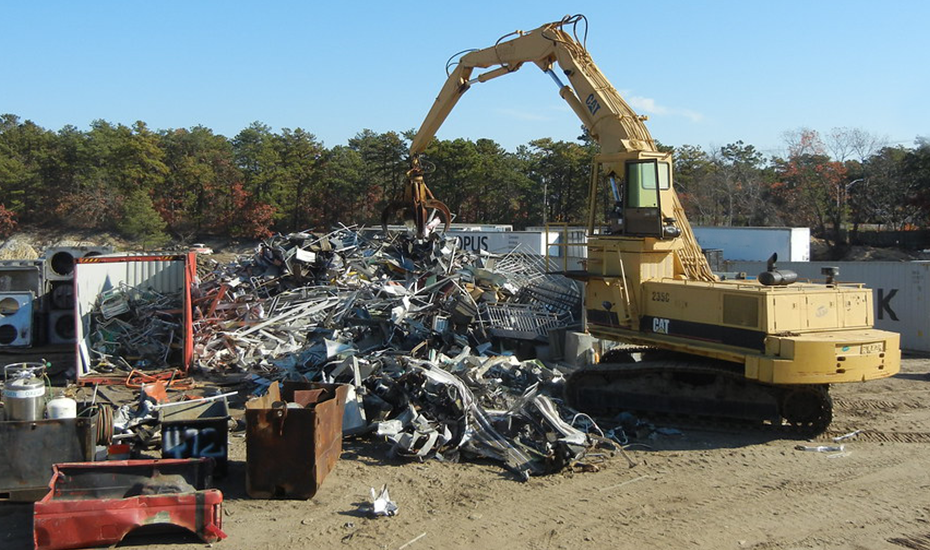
[[699, 489]]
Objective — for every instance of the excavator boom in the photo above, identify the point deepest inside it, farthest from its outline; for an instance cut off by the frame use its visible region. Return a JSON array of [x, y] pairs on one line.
[[608, 118], [610, 121]]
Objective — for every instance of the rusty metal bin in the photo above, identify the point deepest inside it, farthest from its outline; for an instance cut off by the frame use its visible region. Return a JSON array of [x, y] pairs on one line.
[[291, 448], [28, 449]]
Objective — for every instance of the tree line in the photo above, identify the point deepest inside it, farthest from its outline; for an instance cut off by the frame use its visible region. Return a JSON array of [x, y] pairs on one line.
[[179, 184]]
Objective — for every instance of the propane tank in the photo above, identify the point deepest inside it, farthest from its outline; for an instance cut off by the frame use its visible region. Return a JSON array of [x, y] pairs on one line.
[[61, 408], [24, 391]]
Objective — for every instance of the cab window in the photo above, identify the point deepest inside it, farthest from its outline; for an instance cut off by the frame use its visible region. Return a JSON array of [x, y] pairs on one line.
[[644, 180]]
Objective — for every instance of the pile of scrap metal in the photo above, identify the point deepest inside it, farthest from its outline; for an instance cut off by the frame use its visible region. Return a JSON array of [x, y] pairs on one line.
[[271, 313], [423, 332], [135, 329], [438, 409]]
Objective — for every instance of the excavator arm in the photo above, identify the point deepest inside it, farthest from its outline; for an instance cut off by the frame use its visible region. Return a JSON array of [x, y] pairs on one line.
[[604, 113], [622, 136]]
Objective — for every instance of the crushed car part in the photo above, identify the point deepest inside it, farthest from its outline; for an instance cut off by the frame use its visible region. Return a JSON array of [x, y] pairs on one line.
[[98, 503]]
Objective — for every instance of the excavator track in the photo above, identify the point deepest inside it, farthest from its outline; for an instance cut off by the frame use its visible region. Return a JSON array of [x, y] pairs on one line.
[[692, 390]]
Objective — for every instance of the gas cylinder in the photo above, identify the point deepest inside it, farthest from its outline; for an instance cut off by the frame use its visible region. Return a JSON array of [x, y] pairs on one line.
[[24, 391], [61, 408]]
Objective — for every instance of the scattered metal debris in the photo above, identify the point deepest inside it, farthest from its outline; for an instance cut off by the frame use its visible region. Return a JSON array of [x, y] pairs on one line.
[[627, 482], [381, 503], [820, 448], [850, 435], [411, 541]]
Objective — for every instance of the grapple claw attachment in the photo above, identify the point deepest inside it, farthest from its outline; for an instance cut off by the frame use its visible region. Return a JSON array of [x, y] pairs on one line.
[[418, 206]]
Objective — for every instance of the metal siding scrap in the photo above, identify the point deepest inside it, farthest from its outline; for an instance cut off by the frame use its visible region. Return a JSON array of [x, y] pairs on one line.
[[386, 293], [397, 319]]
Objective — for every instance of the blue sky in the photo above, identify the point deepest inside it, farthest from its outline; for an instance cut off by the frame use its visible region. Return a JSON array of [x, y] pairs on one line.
[[707, 72]]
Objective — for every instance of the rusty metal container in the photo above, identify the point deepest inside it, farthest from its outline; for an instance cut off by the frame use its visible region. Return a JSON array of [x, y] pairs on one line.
[[29, 449], [293, 439]]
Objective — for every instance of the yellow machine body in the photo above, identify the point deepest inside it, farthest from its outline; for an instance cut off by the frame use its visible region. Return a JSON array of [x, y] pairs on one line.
[[796, 334], [647, 281]]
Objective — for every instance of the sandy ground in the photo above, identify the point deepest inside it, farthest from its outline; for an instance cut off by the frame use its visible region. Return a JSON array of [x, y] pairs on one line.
[[700, 489]]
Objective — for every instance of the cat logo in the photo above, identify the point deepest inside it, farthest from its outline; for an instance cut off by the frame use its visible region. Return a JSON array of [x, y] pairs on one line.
[[660, 326]]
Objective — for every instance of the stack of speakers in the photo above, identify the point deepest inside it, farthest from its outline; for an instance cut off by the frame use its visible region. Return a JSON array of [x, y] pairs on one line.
[[16, 319], [58, 296], [20, 285]]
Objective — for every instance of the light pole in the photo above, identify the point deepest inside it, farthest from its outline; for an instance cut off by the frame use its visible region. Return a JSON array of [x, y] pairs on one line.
[[845, 190], [841, 203]]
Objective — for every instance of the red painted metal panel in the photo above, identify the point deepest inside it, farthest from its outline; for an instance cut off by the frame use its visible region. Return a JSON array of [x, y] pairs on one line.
[[190, 275], [98, 503]]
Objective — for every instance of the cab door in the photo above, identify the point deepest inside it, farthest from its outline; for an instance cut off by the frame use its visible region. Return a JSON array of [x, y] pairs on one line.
[[642, 209]]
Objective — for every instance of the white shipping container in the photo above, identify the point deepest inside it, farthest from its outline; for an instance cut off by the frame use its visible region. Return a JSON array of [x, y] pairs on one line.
[[900, 292], [497, 227], [528, 242], [499, 239], [502, 242], [792, 244]]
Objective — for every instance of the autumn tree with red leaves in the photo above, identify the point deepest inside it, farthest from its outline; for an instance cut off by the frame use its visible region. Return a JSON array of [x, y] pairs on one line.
[[812, 188], [237, 213], [7, 222]]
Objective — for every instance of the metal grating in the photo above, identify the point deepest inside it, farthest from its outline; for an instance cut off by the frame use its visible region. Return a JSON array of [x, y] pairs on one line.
[[553, 292], [521, 321]]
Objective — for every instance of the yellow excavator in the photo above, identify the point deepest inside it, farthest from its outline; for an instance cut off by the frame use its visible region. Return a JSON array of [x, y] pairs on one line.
[[761, 351]]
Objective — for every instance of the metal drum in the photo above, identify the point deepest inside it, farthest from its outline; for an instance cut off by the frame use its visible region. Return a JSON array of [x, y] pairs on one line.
[[24, 391]]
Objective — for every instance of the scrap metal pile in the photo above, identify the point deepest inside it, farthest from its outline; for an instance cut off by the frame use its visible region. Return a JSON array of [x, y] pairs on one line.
[[422, 331], [135, 329]]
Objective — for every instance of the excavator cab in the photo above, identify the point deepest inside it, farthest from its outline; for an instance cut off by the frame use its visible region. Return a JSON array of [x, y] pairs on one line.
[[639, 201], [642, 212]]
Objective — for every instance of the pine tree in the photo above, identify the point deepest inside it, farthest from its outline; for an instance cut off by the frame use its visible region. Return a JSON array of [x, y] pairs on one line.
[[140, 221]]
